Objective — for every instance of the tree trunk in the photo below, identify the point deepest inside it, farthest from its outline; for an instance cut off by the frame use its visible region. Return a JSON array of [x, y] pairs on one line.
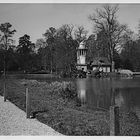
[[4, 72], [113, 66], [112, 60]]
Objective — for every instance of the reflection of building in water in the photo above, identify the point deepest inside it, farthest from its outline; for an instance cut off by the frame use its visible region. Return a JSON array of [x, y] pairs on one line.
[[99, 93], [82, 96], [81, 87], [93, 92]]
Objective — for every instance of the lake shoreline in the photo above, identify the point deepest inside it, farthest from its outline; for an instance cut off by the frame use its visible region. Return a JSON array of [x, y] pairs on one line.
[[64, 115]]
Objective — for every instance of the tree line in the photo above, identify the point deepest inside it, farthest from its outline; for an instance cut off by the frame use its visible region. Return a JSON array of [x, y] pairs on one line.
[[55, 51]]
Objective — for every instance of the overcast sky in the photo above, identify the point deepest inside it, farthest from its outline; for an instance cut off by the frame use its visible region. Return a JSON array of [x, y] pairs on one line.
[[34, 19]]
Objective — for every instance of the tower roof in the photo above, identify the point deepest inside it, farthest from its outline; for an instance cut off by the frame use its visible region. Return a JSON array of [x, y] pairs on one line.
[[100, 60], [82, 45]]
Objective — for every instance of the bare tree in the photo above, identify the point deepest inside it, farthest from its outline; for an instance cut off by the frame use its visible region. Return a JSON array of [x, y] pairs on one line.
[[80, 33], [105, 20], [65, 31], [139, 29]]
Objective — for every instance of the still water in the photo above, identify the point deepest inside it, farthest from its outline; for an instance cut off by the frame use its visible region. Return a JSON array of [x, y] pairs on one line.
[[104, 92]]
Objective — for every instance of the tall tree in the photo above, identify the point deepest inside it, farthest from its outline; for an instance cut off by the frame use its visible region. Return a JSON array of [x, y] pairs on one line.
[[12, 59], [66, 48], [80, 34], [105, 20], [25, 45], [65, 32], [6, 35], [25, 49], [40, 43], [130, 55], [50, 44], [42, 52], [6, 39], [91, 45], [139, 29]]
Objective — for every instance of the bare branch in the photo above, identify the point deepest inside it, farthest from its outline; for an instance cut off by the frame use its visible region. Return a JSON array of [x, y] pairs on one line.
[[105, 22]]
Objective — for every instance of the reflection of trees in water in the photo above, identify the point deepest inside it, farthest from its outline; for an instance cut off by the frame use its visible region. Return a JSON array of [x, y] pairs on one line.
[[131, 98], [82, 96], [119, 100], [81, 88], [99, 93]]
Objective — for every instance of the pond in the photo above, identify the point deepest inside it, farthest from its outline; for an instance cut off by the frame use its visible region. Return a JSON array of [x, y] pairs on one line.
[[104, 92]]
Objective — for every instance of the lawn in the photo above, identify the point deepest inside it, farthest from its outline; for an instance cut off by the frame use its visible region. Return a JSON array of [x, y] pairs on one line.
[[56, 105]]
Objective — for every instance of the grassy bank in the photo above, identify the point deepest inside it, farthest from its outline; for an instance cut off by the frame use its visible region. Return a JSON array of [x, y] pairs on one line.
[[56, 105]]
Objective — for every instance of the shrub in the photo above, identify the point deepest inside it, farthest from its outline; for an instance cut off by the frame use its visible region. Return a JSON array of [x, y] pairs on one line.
[[65, 89]]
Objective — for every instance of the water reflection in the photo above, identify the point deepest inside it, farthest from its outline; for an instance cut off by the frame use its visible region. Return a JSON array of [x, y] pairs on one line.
[[81, 86], [102, 93], [119, 100]]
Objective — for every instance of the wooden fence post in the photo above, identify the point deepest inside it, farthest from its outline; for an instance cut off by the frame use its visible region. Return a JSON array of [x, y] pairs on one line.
[[28, 106], [114, 121], [4, 91]]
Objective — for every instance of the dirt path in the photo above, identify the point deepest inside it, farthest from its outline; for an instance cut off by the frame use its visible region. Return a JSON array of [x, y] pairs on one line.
[[13, 122]]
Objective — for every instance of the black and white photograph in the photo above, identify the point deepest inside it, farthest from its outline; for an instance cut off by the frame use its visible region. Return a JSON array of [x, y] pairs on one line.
[[69, 69]]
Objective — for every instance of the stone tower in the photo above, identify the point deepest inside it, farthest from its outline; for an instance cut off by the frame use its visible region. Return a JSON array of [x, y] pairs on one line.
[[81, 57]]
